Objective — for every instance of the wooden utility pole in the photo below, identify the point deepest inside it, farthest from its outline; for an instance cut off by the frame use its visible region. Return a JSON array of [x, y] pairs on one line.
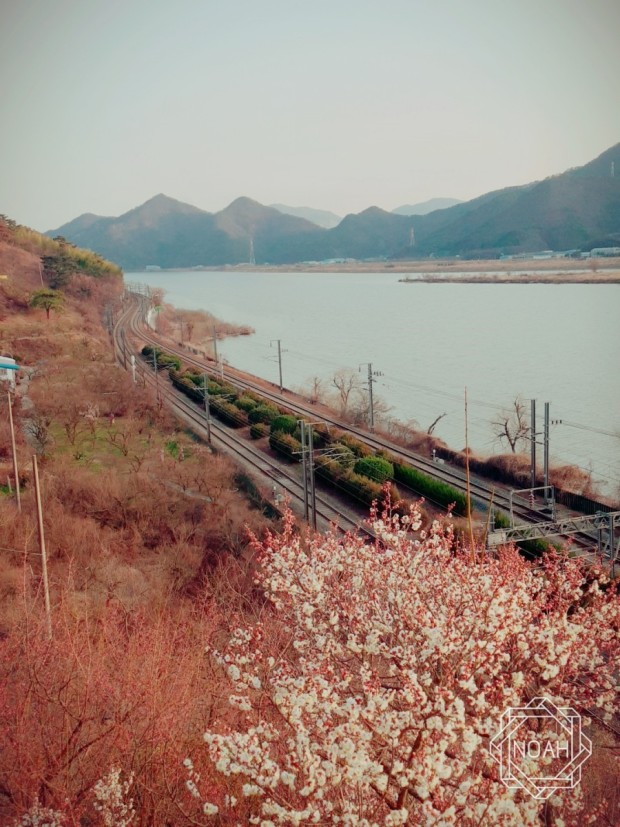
[[46, 588], [15, 470], [468, 486]]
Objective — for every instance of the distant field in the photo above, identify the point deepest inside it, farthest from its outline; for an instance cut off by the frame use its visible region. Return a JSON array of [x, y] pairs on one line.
[[596, 270]]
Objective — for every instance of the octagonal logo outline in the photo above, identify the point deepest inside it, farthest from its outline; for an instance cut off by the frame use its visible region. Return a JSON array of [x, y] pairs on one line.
[[540, 786]]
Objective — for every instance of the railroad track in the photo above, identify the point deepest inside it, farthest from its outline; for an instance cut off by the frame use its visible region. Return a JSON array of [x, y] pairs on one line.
[[327, 513], [479, 490]]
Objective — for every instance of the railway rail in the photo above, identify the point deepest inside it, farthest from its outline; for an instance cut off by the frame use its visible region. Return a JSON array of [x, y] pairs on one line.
[[328, 514], [480, 491]]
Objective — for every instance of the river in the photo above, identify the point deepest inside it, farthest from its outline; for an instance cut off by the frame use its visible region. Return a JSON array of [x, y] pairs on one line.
[[555, 343]]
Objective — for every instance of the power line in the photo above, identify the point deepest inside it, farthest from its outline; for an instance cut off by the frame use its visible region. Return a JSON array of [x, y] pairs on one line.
[[589, 428]]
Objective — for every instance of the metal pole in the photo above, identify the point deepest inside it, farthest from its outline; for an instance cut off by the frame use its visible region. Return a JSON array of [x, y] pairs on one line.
[[207, 411], [156, 374], [304, 471], [46, 588], [372, 411], [311, 464], [546, 450], [14, 449], [533, 443], [215, 346], [280, 364]]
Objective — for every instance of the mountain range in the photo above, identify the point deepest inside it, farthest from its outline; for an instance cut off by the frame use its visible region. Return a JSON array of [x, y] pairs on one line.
[[578, 209]]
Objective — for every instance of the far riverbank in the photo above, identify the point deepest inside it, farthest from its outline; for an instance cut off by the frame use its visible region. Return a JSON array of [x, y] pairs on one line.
[[505, 271]]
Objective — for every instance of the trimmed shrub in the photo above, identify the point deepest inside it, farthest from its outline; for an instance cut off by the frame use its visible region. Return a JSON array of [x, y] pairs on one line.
[[182, 383], [259, 430], [375, 468], [361, 488], [329, 469], [342, 454], [162, 359], [360, 449], [433, 489], [165, 360], [263, 413], [284, 423], [245, 403], [500, 520], [228, 413], [286, 445]]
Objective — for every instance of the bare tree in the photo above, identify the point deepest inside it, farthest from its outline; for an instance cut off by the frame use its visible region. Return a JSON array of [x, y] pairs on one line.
[[315, 392], [431, 427], [346, 382], [359, 407], [37, 427], [512, 425]]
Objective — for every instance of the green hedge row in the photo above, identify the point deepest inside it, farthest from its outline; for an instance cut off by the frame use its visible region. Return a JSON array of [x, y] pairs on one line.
[[348, 482], [228, 413], [259, 430], [375, 468], [363, 482], [263, 413], [163, 360], [435, 490], [286, 444], [285, 423], [184, 384]]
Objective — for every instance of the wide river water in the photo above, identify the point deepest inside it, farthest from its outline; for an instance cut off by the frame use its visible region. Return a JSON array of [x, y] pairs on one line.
[[557, 343]]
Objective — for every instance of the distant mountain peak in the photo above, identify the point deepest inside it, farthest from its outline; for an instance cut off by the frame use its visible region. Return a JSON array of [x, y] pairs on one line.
[[575, 210], [425, 207], [164, 203]]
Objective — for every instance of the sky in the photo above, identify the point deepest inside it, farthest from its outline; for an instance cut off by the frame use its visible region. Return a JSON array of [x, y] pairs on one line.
[[332, 104]]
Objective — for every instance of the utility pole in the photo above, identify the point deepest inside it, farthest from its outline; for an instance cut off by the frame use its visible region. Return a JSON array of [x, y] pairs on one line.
[[207, 411], [307, 471], [46, 588], [156, 374], [310, 433], [304, 469], [215, 345], [371, 374], [279, 358], [546, 451], [14, 449], [533, 443]]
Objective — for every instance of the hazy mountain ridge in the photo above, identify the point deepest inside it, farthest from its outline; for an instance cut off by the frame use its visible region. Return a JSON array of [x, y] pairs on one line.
[[577, 209], [323, 218], [425, 207]]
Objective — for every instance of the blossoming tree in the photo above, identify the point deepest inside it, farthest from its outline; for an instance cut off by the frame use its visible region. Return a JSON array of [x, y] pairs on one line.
[[369, 691]]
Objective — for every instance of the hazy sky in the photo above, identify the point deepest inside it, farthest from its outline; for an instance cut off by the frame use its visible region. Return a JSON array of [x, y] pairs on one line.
[[336, 104]]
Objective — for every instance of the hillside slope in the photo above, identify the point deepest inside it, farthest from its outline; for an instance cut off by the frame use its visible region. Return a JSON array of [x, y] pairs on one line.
[[577, 209]]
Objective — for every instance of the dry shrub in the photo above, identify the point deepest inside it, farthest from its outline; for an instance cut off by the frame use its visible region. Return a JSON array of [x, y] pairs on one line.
[[514, 466], [571, 478], [196, 326], [119, 689], [20, 266]]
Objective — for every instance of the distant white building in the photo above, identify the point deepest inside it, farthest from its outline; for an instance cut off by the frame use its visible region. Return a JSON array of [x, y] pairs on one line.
[[605, 251], [8, 369]]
